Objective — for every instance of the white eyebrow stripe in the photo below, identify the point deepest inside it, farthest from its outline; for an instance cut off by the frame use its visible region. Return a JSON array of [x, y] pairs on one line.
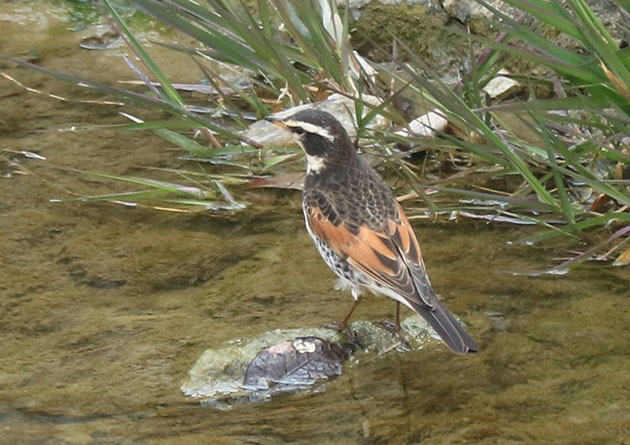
[[310, 128]]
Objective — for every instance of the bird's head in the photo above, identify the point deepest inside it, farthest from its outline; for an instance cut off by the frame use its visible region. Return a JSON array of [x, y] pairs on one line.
[[321, 136]]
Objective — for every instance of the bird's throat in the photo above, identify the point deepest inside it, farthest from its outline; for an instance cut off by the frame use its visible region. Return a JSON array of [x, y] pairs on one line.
[[315, 164]]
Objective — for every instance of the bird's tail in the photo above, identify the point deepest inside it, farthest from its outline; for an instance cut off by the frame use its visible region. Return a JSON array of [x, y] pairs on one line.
[[449, 329]]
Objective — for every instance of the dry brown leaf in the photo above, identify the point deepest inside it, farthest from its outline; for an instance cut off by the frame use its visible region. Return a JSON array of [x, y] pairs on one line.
[[623, 259], [599, 202], [619, 85], [322, 94]]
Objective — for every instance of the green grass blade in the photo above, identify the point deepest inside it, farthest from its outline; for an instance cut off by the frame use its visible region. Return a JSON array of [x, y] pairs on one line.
[[166, 84], [565, 204]]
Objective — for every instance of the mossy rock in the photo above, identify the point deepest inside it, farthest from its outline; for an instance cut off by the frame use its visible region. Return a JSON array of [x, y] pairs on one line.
[[425, 35]]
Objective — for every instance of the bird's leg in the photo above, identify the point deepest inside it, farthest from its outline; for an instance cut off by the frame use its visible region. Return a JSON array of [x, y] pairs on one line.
[[344, 323], [343, 326], [403, 341], [395, 329]]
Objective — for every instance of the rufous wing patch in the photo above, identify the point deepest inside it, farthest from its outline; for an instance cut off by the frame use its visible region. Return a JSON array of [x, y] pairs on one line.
[[372, 252]]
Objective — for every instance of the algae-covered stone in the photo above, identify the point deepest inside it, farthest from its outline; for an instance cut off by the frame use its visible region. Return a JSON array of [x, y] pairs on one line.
[[220, 371], [290, 360]]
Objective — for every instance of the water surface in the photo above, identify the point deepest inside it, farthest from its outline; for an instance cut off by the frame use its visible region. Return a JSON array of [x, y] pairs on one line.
[[103, 309]]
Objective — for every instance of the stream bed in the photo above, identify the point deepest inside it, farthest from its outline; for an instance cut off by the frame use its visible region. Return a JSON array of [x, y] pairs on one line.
[[104, 308]]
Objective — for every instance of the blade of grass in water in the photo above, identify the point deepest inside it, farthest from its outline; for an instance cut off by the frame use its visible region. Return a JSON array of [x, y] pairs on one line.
[[171, 92], [190, 145], [582, 225], [144, 195], [209, 205], [154, 102], [563, 267], [168, 124]]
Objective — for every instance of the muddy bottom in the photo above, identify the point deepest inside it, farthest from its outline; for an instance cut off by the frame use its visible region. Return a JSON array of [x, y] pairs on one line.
[[104, 309]]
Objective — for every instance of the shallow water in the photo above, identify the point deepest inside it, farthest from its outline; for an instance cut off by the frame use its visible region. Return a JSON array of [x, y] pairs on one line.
[[103, 309]]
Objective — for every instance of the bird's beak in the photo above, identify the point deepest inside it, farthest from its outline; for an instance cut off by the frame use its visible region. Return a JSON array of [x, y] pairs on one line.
[[277, 122]]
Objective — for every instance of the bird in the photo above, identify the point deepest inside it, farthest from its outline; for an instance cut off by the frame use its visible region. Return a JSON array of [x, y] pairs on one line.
[[361, 230]]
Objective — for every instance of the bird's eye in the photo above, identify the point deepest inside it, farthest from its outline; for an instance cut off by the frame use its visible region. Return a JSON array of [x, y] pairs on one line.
[[299, 130]]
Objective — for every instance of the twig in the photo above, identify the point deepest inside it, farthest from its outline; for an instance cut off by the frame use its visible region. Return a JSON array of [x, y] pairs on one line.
[[215, 143]]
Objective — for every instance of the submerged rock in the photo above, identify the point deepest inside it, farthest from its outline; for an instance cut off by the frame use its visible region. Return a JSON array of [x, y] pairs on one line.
[[100, 37], [291, 360], [221, 371]]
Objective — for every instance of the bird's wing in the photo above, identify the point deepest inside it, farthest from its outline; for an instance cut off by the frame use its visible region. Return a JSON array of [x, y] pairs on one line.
[[391, 256], [405, 240]]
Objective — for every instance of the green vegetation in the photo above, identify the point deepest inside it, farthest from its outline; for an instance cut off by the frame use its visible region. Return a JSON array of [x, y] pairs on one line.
[[562, 163], [81, 13]]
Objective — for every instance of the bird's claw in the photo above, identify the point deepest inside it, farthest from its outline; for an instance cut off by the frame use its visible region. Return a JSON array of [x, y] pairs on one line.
[[345, 331], [395, 330]]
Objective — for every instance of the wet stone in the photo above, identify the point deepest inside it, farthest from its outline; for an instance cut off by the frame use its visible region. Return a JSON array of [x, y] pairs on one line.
[[292, 360], [219, 373], [99, 38]]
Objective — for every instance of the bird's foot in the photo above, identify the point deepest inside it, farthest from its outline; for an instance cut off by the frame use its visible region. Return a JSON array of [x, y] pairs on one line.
[[394, 329], [343, 330]]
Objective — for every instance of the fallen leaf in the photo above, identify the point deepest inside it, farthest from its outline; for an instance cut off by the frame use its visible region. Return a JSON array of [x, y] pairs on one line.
[[599, 202], [623, 259]]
